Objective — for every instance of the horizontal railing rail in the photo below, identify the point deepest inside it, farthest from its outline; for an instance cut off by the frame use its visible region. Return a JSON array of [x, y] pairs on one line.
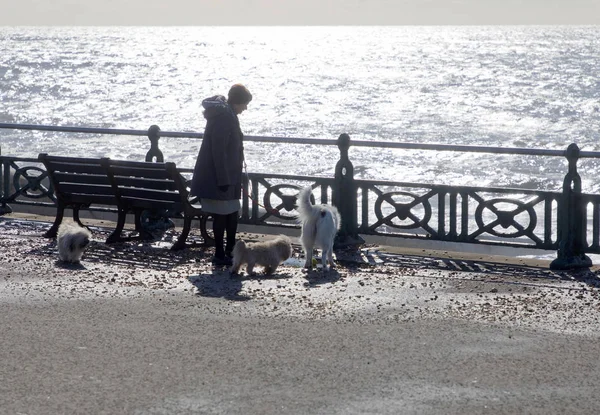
[[567, 221], [310, 141]]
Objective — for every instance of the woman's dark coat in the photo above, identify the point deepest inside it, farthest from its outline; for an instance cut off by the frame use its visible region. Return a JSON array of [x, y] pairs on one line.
[[221, 155]]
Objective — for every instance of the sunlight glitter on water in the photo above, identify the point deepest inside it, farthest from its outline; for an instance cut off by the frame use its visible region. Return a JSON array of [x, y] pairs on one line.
[[532, 87]]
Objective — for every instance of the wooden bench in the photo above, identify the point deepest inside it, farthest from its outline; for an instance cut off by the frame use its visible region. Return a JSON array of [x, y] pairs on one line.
[[133, 187]]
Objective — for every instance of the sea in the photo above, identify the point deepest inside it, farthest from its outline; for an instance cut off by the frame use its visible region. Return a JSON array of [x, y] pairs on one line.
[[535, 87]]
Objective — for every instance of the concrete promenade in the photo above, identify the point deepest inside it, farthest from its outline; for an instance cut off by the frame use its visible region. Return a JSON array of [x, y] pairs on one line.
[[137, 329]]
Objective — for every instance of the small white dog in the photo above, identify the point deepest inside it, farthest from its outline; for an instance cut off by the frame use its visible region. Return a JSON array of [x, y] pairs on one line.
[[268, 254], [320, 224], [72, 240]]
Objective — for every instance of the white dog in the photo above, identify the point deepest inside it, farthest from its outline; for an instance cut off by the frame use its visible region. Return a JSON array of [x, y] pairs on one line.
[[72, 240], [268, 254], [320, 224]]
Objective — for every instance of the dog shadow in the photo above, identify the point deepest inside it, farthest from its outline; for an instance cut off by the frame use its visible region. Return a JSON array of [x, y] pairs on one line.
[[219, 284], [316, 277], [260, 276], [73, 266]]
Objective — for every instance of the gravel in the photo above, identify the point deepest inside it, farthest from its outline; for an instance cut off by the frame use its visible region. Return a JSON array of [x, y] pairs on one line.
[[373, 284]]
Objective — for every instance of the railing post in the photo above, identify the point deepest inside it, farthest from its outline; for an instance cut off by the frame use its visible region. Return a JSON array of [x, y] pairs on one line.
[[571, 219], [344, 195], [154, 220], [154, 152], [4, 187]]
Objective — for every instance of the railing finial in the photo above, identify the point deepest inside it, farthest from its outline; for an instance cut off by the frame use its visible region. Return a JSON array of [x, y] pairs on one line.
[[154, 154]]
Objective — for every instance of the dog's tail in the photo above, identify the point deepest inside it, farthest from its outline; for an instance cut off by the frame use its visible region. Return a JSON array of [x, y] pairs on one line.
[[304, 205]]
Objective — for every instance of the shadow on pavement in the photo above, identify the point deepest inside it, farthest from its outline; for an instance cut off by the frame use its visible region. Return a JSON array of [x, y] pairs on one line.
[[317, 277], [139, 254], [219, 284], [373, 258]]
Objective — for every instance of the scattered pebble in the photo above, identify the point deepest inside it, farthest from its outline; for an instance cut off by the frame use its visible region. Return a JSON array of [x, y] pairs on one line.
[[393, 289]]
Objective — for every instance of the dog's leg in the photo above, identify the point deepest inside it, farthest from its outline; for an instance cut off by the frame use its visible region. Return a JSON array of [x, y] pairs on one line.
[[324, 258], [308, 253], [270, 269], [307, 245], [235, 268], [330, 255], [250, 268]]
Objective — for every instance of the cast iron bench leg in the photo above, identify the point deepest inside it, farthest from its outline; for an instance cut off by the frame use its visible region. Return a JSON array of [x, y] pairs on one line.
[[187, 225], [138, 220], [116, 235], [208, 240], [76, 217], [60, 213], [180, 244]]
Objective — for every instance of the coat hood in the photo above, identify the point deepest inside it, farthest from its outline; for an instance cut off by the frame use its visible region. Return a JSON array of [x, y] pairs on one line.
[[215, 106]]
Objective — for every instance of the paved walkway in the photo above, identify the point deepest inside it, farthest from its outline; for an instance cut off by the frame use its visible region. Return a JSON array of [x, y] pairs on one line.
[[137, 329]]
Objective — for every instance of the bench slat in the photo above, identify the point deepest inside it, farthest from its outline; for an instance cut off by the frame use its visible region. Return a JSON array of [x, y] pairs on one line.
[[86, 188], [66, 159], [137, 164], [76, 168], [150, 173], [145, 183], [151, 204], [132, 192], [81, 178], [90, 199]]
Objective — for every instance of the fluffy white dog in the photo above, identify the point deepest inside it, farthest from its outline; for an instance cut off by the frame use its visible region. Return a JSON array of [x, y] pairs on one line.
[[72, 240], [268, 254], [320, 224]]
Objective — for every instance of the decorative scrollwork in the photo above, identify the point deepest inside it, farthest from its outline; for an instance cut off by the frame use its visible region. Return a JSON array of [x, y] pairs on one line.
[[32, 182], [505, 217], [412, 211], [275, 199]]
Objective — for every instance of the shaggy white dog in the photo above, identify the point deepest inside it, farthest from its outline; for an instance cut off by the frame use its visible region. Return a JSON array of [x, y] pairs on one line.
[[72, 240], [320, 224], [268, 254]]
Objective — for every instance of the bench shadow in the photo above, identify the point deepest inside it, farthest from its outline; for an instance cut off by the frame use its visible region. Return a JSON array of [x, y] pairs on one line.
[[142, 254], [155, 254]]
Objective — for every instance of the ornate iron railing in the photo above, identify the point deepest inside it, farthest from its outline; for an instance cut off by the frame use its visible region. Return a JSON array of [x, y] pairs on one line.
[[549, 220]]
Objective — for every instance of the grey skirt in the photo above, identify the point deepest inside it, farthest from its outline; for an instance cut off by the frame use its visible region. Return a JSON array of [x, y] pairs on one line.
[[220, 207]]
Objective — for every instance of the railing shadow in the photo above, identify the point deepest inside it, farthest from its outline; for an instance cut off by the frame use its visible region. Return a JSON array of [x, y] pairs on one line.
[[518, 274], [155, 255]]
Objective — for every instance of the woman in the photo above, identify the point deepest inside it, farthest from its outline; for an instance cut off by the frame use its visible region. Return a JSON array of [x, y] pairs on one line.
[[217, 179]]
